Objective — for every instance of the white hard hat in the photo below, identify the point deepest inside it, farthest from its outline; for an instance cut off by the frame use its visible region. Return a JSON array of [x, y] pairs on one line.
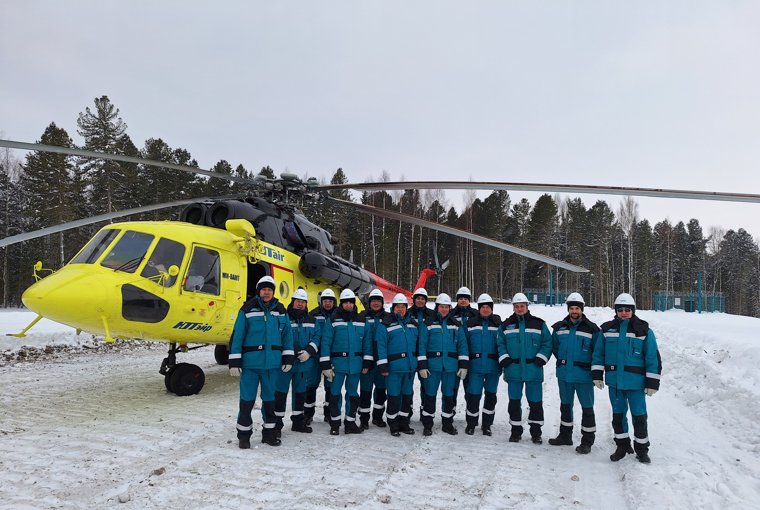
[[300, 294], [327, 294], [420, 292], [443, 299], [575, 299], [376, 294], [400, 299], [625, 299], [347, 295], [485, 299], [520, 298], [464, 292], [265, 281]]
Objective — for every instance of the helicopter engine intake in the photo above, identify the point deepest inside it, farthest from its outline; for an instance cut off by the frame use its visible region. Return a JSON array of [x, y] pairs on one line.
[[336, 272]]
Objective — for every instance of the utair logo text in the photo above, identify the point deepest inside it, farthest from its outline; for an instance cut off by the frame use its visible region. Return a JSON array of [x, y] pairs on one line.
[[193, 326], [269, 252]]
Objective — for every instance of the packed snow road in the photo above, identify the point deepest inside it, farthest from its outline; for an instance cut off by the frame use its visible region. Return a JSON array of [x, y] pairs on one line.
[[96, 428]]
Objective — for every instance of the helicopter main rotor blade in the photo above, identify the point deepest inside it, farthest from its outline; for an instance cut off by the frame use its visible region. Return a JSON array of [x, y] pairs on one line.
[[103, 217], [551, 188], [119, 157], [368, 209]]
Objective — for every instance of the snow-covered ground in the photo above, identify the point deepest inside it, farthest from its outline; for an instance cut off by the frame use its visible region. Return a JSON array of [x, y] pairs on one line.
[[85, 427]]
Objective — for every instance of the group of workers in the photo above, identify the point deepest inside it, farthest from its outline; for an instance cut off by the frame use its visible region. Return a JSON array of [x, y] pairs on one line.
[[367, 363]]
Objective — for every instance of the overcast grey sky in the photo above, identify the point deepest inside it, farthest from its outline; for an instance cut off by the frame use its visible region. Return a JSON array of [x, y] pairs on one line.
[[650, 94]]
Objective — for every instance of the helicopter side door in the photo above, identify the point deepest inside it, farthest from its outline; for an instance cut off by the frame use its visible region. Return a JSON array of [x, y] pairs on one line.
[[211, 293], [285, 283]]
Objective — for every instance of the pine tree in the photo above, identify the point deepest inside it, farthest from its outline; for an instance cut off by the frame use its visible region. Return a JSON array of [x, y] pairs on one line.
[[101, 131], [663, 256], [741, 278], [129, 190], [52, 193], [540, 236], [216, 187], [515, 231], [643, 247], [11, 224], [697, 249], [575, 235], [241, 173], [601, 220], [266, 172]]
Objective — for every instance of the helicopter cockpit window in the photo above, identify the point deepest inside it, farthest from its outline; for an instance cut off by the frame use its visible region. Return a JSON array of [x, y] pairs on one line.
[[167, 253], [128, 252], [96, 246], [203, 275]]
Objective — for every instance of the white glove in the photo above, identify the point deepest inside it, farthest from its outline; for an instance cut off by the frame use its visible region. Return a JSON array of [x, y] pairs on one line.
[[329, 374], [303, 356], [599, 385], [286, 368], [236, 371], [650, 392], [424, 373], [462, 373]]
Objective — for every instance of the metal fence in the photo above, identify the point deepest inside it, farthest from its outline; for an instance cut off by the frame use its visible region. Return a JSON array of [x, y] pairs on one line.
[[689, 301]]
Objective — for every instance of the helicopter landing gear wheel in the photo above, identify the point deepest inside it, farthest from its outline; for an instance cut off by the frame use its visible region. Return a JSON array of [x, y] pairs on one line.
[[221, 354], [187, 379]]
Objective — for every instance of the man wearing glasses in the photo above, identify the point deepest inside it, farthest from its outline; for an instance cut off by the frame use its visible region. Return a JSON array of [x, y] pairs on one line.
[[626, 352]]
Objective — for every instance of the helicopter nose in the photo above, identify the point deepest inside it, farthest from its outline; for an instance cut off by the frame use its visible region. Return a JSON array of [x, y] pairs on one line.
[[69, 297]]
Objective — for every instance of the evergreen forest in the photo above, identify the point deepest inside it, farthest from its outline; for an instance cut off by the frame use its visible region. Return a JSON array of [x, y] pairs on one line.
[[624, 252]]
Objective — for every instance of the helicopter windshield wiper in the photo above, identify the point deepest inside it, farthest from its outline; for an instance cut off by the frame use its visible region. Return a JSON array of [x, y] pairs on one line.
[[130, 264]]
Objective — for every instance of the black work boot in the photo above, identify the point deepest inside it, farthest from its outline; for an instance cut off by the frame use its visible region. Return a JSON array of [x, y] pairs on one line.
[[269, 436], [244, 443], [300, 426], [393, 425], [427, 431], [405, 428], [623, 449], [642, 452], [364, 421], [565, 437], [587, 440], [449, 428], [351, 427], [535, 420], [641, 439], [516, 434], [469, 430], [377, 417], [335, 428]]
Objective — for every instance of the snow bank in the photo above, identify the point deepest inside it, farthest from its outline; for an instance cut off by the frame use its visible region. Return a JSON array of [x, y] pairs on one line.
[[94, 428]]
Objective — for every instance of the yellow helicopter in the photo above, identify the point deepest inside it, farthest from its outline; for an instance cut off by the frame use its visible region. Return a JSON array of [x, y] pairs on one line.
[[183, 282]]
